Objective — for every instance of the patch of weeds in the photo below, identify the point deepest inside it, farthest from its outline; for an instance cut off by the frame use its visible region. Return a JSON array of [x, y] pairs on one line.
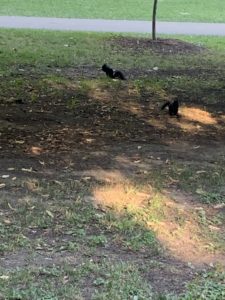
[[121, 281], [73, 218], [142, 238], [58, 190], [213, 234], [209, 186], [210, 286], [81, 94], [179, 217], [150, 88], [37, 216], [73, 103], [12, 237], [97, 240], [202, 218], [41, 284], [187, 86], [131, 232], [218, 219], [108, 281], [41, 211], [210, 198], [155, 211], [130, 215]]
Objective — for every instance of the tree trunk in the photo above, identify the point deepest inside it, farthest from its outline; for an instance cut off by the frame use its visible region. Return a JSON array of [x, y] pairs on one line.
[[154, 20]]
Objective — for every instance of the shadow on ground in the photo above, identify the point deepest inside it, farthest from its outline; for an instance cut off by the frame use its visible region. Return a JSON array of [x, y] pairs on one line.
[[108, 144]]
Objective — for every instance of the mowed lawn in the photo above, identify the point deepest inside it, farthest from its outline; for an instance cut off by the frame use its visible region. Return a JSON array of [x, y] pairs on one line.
[[170, 10]]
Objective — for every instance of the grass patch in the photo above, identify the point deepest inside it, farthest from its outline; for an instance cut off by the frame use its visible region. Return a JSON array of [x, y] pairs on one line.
[[172, 10], [43, 50], [207, 185], [118, 281], [77, 220], [123, 281], [42, 283], [210, 285], [130, 232]]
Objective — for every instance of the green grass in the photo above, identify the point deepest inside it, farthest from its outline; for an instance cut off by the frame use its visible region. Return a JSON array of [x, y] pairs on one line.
[[61, 50], [41, 283], [78, 229], [41, 50], [123, 281], [171, 10], [73, 219], [106, 281], [207, 183], [212, 42], [210, 285]]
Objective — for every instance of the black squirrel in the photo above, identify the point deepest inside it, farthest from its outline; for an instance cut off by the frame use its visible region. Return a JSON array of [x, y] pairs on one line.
[[113, 74], [173, 107]]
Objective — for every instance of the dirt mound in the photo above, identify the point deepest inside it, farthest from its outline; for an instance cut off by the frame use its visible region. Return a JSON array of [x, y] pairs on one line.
[[159, 46]]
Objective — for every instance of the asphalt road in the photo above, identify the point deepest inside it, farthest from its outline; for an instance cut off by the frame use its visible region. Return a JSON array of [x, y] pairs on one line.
[[99, 25]]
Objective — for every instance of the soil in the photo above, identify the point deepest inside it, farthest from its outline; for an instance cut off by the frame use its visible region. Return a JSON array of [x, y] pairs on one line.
[[159, 46]]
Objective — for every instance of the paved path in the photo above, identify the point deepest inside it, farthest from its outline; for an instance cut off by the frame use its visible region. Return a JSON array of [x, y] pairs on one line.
[[112, 25]]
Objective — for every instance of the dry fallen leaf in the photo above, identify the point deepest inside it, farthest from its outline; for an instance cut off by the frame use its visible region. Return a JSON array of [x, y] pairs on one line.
[[36, 150], [86, 178], [221, 205], [58, 182], [200, 172], [4, 277], [90, 140], [214, 228], [200, 191], [31, 186], [7, 221], [27, 170], [172, 180], [19, 142], [10, 206], [137, 161], [48, 212]]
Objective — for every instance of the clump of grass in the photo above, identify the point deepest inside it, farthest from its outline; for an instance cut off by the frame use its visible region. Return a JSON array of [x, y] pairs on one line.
[[40, 283], [210, 286], [208, 184], [121, 281]]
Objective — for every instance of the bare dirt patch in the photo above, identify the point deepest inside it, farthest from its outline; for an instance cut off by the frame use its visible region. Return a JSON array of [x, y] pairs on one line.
[[159, 46], [179, 230]]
